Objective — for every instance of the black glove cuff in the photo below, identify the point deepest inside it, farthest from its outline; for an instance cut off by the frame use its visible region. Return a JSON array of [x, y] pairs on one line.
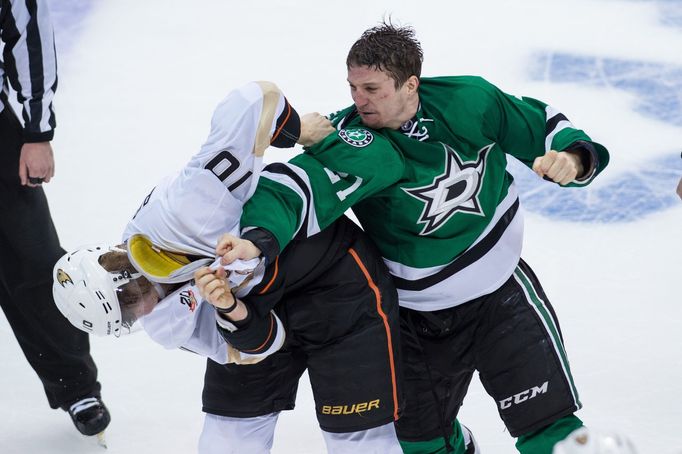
[[588, 157], [265, 241]]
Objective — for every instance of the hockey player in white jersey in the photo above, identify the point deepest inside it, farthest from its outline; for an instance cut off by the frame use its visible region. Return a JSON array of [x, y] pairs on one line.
[[327, 304]]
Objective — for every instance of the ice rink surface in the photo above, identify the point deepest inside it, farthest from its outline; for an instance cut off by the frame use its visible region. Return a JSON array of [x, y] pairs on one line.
[[138, 83]]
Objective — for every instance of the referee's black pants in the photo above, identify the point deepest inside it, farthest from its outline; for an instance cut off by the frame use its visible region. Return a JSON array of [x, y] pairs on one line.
[[29, 248]]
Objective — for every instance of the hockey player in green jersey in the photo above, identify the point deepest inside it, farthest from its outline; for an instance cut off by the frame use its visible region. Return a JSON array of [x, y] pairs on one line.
[[428, 184]]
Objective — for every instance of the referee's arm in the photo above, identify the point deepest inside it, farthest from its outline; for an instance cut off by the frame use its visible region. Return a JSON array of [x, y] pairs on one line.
[[30, 65]]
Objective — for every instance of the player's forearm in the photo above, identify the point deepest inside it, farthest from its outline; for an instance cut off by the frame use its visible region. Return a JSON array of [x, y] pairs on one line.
[[254, 335], [276, 211]]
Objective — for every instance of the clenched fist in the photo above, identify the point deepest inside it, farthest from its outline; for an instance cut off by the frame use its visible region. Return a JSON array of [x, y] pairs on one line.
[[231, 248], [314, 128], [559, 166]]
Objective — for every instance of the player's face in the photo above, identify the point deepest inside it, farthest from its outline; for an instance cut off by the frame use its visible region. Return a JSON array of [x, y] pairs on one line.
[[148, 302], [378, 102], [138, 300]]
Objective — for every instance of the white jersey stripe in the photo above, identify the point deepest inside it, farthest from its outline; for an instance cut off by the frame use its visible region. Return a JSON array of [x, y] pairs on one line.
[[308, 201], [551, 112], [482, 277], [412, 273]]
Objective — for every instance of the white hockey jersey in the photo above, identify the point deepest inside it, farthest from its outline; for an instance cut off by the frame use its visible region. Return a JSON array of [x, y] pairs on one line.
[[186, 213]]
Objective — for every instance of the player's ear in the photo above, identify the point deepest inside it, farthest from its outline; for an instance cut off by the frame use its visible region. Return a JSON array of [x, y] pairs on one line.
[[412, 84]]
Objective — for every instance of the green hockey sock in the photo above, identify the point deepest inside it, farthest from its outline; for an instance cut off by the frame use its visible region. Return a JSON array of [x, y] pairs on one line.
[[542, 441], [437, 445]]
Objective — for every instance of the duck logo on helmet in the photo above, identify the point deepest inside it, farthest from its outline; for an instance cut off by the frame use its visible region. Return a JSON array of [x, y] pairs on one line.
[[63, 278]]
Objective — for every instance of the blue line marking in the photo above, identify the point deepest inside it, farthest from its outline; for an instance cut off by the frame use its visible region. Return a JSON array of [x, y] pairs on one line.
[[658, 90], [629, 198], [670, 12], [658, 87]]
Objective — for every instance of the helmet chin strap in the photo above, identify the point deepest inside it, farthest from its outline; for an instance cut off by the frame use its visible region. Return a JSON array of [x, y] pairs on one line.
[[159, 289]]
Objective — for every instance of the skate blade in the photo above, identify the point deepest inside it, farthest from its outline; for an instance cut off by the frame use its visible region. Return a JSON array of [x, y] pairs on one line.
[[101, 440]]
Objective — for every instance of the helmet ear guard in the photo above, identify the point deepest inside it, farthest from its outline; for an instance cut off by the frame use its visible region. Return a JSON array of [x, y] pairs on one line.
[[87, 294]]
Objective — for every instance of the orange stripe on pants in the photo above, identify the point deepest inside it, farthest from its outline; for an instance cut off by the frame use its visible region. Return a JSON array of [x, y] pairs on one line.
[[380, 310]]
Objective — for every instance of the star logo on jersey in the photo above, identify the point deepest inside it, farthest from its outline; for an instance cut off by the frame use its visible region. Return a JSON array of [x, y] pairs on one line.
[[454, 191], [356, 137]]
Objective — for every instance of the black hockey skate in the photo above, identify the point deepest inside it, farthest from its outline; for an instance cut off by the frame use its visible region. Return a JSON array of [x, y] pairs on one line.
[[90, 415]]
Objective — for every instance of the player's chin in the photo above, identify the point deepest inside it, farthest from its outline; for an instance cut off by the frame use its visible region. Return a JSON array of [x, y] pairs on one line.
[[371, 120]]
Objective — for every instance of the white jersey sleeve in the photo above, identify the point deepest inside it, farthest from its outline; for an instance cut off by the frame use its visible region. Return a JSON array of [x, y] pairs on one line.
[[186, 213], [181, 319]]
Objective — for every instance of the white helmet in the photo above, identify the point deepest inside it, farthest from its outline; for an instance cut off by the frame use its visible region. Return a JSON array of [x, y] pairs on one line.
[[87, 294], [587, 441]]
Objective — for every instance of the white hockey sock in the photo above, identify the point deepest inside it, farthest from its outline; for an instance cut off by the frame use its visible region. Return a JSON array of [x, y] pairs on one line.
[[379, 440], [226, 435]]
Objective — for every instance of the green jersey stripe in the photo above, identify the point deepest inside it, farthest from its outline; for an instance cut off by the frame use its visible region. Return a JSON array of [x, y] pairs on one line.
[[538, 304]]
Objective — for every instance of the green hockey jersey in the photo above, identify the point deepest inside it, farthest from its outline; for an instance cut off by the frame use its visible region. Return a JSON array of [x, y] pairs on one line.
[[434, 195]]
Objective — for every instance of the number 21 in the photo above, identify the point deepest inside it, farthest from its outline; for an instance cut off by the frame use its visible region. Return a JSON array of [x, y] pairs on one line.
[[335, 177]]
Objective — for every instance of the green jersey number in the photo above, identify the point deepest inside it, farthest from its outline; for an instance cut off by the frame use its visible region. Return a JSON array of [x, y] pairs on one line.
[[335, 177]]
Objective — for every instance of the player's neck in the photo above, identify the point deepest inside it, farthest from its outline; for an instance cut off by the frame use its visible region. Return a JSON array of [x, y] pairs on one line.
[[410, 110]]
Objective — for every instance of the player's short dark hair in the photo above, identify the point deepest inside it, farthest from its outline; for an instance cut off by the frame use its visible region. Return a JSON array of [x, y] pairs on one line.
[[388, 48]]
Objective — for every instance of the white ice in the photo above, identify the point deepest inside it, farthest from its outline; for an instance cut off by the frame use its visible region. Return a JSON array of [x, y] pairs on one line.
[[136, 92]]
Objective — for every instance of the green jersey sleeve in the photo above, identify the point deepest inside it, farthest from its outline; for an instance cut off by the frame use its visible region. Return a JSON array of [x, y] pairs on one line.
[[527, 128], [315, 188]]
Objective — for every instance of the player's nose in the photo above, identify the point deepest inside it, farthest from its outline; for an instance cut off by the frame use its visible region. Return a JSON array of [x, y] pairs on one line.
[[360, 99]]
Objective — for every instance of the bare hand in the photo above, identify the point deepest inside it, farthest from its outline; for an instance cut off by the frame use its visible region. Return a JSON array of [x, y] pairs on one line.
[[560, 166], [213, 286], [231, 248], [314, 128], [36, 161], [679, 188]]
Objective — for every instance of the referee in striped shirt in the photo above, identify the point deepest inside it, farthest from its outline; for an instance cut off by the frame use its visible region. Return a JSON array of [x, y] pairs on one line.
[[29, 246]]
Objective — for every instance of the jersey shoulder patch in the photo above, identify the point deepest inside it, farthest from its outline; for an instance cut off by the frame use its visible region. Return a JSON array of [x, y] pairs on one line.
[[357, 137]]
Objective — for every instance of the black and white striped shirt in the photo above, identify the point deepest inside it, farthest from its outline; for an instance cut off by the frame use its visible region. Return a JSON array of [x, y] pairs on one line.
[[29, 64]]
